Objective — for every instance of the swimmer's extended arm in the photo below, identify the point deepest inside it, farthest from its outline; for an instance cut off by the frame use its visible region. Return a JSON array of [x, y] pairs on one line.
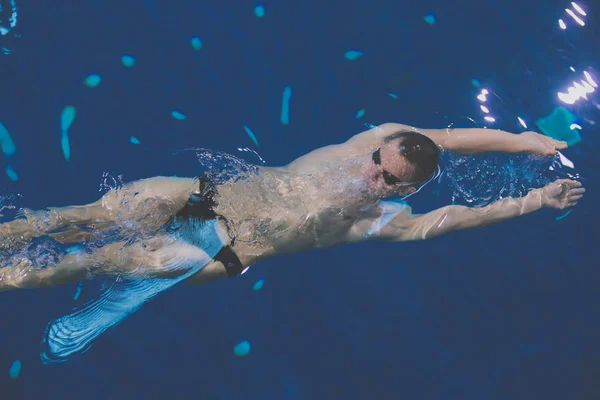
[[467, 140], [405, 226], [453, 218]]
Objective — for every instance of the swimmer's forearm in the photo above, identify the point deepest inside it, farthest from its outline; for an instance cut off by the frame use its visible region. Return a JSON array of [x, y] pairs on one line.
[[454, 218]]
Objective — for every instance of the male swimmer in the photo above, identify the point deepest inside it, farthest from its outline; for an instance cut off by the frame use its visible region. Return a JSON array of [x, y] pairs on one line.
[[281, 210], [201, 229]]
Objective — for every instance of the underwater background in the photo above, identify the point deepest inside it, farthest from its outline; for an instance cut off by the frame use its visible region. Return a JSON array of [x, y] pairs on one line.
[[108, 91]]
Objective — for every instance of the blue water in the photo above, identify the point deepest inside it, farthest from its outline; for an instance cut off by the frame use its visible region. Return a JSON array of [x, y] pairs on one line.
[[504, 312]]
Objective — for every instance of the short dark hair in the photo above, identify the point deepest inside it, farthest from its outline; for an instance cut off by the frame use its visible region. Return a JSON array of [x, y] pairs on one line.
[[421, 153]]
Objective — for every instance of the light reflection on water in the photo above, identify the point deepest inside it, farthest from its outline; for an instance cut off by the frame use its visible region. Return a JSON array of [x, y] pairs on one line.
[[8, 22], [475, 181]]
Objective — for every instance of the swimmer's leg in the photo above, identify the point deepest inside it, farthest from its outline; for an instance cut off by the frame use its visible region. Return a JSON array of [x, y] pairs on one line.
[[151, 258], [73, 267], [179, 259]]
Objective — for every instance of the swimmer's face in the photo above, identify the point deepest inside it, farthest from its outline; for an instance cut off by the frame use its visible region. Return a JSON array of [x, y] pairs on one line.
[[389, 166]]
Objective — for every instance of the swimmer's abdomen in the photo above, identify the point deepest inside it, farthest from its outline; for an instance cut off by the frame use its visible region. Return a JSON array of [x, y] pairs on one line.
[[326, 229]]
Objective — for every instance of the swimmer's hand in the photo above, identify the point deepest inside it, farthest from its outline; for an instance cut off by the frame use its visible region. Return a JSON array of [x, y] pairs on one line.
[[541, 145], [562, 193]]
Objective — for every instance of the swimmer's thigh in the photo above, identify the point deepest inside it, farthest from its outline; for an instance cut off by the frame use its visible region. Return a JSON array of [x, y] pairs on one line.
[[160, 257]]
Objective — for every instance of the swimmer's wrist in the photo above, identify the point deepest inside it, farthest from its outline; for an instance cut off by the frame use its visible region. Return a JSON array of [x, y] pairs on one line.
[[544, 197], [537, 198], [523, 144]]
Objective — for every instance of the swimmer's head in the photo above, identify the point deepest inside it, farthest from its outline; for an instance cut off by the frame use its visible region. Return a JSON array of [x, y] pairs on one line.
[[404, 160]]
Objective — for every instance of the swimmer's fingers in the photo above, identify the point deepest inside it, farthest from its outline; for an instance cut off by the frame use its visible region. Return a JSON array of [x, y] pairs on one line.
[[553, 145], [570, 182], [574, 194], [560, 145], [577, 192], [573, 199]]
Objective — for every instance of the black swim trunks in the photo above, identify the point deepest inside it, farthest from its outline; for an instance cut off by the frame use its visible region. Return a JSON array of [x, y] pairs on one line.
[[201, 205]]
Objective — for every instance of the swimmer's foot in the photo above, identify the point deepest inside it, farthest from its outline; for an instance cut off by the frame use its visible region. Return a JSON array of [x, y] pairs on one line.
[[5, 283], [11, 277]]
